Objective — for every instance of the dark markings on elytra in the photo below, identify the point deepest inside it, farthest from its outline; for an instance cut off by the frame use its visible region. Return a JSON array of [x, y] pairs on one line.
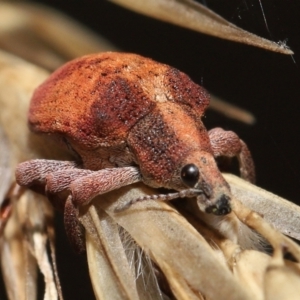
[[159, 150], [118, 107], [191, 97]]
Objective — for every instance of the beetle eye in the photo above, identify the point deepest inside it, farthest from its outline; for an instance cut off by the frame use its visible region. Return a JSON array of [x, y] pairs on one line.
[[190, 175]]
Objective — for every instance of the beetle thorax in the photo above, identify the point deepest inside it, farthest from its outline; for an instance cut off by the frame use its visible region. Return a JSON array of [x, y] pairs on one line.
[[162, 141]]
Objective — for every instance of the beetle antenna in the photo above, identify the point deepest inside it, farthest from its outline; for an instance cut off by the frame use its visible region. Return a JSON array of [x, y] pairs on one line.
[[188, 193]]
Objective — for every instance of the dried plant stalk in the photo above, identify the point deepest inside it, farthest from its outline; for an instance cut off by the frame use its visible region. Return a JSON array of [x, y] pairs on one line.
[[45, 36], [24, 234], [109, 262], [192, 268], [19, 268], [231, 111], [192, 15], [282, 214], [18, 79], [173, 244], [23, 248], [74, 39], [5, 170]]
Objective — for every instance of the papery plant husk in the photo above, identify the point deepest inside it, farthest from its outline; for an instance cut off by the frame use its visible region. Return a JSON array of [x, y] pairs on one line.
[[212, 268], [26, 225]]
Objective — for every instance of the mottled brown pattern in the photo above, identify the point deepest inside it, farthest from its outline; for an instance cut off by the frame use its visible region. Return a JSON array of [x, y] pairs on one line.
[[74, 229], [156, 148], [93, 96], [182, 90], [96, 99], [119, 105], [164, 141]]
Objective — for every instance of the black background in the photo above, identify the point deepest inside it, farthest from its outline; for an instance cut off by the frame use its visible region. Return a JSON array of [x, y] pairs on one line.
[[265, 83]]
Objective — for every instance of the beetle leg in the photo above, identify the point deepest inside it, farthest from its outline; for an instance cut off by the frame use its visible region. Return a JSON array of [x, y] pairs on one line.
[[60, 180], [51, 177], [33, 173], [74, 229], [84, 185], [84, 189], [57, 185], [56, 178], [227, 143], [188, 193]]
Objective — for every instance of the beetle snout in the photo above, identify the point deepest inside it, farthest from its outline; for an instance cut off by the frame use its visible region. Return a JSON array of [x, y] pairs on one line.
[[221, 206], [204, 175]]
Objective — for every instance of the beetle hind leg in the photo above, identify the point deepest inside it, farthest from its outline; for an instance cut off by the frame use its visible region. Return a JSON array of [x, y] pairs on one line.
[[227, 143]]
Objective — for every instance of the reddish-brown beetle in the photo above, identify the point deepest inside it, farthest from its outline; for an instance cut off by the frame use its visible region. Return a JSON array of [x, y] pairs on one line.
[[128, 118]]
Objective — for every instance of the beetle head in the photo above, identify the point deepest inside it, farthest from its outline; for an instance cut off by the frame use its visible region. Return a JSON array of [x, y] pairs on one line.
[[172, 149], [202, 174]]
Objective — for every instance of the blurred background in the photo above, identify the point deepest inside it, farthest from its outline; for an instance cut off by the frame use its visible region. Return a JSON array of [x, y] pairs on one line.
[[265, 83]]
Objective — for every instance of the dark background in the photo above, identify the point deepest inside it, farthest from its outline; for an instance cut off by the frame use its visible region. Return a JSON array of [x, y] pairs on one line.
[[265, 83]]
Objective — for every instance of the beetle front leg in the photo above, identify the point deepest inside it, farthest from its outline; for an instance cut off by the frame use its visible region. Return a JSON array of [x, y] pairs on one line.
[[51, 177], [57, 179], [33, 173], [227, 143], [84, 189], [84, 185]]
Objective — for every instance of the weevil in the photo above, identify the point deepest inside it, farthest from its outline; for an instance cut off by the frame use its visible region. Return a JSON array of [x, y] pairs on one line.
[[127, 118]]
